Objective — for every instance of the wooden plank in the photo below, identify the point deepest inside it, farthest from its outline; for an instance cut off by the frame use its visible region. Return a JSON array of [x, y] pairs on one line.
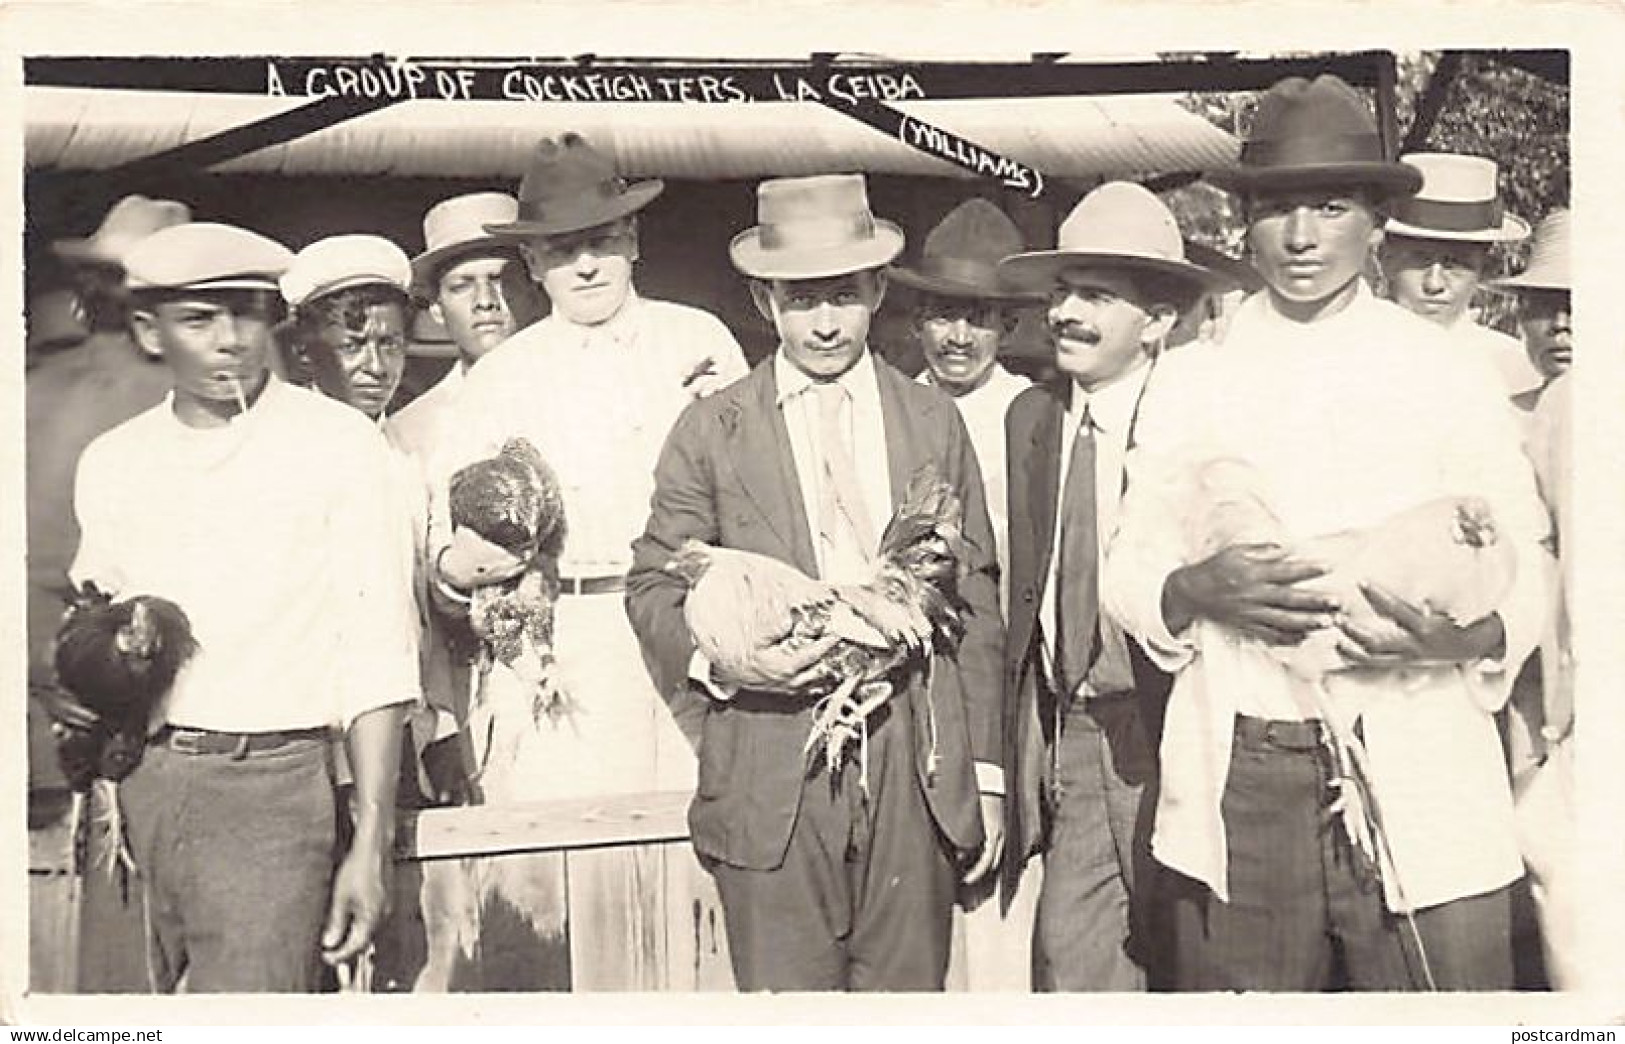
[[489, 924], [53, 932], [617, 918], [544, 826], [696, 935]]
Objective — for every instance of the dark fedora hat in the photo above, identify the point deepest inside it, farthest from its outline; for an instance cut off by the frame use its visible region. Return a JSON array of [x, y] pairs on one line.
[[570, 186], [961, 256], [1316, 132]]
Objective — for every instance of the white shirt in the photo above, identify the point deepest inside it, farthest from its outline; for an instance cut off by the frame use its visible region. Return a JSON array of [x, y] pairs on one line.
[[597, 402], [983, 409], [866, 430], [1347, 421], [1506, 355], [280, 537], [1112, 411]]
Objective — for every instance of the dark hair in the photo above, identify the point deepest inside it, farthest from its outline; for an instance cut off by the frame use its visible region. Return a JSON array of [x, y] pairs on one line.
[[346, 309], [506, 253], [240, 300]]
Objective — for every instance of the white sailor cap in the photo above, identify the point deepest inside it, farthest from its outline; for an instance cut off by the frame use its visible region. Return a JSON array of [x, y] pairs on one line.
[[339, 262], [205, 256]]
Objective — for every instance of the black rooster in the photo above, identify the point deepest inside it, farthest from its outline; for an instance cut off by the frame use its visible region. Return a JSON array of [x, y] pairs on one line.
[[117, 659]]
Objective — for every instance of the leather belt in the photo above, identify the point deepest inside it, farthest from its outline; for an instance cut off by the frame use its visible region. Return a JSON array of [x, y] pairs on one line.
[[591, 585], [1283, 735], [208, 741]]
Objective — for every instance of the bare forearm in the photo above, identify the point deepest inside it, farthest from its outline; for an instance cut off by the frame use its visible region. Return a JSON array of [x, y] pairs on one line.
[[375, 754]]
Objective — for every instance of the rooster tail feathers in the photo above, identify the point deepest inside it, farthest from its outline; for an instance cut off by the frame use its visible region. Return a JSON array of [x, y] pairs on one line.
[[930, 507]]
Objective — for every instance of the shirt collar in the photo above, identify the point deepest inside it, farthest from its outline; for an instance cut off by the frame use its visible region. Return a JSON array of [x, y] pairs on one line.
[[1358, 305], [1112, 407], [791, 381]]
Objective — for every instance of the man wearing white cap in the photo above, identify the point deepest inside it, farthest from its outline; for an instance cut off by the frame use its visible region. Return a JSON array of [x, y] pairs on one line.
[[1085, 705], [1436, 248], [595, 387], [255, 507], [828, 882], [1326, 411], [1544, 314]]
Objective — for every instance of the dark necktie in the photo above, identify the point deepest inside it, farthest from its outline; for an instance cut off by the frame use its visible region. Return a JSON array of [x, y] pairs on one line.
[[1076, 566]]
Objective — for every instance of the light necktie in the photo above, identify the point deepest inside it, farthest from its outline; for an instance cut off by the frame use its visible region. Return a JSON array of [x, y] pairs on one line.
[[1077, 565], [843, 521]]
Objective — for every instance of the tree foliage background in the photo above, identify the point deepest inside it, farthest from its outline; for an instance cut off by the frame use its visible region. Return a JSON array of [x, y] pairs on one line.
[[1490, 108]]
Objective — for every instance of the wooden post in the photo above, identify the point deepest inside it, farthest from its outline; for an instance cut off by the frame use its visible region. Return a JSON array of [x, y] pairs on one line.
[[1387, 88]]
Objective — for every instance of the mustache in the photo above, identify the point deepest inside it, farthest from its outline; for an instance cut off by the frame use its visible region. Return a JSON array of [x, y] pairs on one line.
[[1074, 332]]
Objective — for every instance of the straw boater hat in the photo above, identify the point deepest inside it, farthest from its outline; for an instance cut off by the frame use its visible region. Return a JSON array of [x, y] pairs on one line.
[[131, 220], [1314, 133], [1119, 225], [961, 255], [205, 256], [814, 228], [1548, 267], [1457, 202], [455, 228], [570, 186], [341, 262]]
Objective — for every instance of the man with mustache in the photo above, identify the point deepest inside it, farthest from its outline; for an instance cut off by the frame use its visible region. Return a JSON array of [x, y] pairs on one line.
[[1085, 706], [1345, 411], [594, 387]]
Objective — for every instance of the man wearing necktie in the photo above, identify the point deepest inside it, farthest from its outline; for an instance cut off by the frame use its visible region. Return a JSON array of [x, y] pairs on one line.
[[1085, 706], [827, 883]]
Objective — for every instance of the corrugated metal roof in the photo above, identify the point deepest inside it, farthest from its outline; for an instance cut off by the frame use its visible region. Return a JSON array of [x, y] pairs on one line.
[[80, 129]]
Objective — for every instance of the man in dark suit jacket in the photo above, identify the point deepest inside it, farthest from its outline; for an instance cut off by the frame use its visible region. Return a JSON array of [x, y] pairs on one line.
[[827, 883], [1086, 705]]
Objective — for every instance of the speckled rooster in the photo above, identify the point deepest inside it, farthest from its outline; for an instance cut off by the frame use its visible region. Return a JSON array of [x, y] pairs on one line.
[[739, 600], [117, 659], [513, 500]]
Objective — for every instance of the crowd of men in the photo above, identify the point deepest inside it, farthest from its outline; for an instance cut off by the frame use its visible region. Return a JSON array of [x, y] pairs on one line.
[[1114, 774]]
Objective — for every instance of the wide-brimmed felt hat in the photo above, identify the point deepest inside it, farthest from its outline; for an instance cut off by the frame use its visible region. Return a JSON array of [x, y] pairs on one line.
[[814, 228], [203, 255], [1548, 267], [1458, 202], [1313, 133], [455, 228], [341, 262], [1118, 225], [961, 255], [570, 186], [131, 220]]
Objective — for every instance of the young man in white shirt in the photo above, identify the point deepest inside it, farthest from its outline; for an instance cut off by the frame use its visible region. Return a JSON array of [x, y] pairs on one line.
[[257, 507], [594, 387], [1085, 708], [828, 883], [1346, 410], [1436, 249]]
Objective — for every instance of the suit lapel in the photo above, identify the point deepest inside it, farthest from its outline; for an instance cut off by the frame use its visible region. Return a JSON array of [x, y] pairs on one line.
[[903, 431], [1044, 475], [759, 445]]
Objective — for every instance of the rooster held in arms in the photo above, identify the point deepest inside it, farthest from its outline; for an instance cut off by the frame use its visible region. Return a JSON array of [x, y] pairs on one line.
[[740, 602], [117, 659], [513, 500]]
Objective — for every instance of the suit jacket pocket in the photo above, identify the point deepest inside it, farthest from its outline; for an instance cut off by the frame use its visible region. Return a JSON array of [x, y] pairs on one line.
[[719, 740]]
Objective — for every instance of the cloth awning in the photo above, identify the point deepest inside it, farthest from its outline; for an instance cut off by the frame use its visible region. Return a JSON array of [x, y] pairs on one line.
[[1129, 136]]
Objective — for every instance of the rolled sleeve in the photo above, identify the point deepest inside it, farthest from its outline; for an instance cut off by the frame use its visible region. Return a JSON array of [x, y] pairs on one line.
[[1144, 551]]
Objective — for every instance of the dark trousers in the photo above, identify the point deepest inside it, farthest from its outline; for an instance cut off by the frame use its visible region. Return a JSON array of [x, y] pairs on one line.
[[864, 898], [1305, 910], [1468, 942], [1092, 930], [235, 857]]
